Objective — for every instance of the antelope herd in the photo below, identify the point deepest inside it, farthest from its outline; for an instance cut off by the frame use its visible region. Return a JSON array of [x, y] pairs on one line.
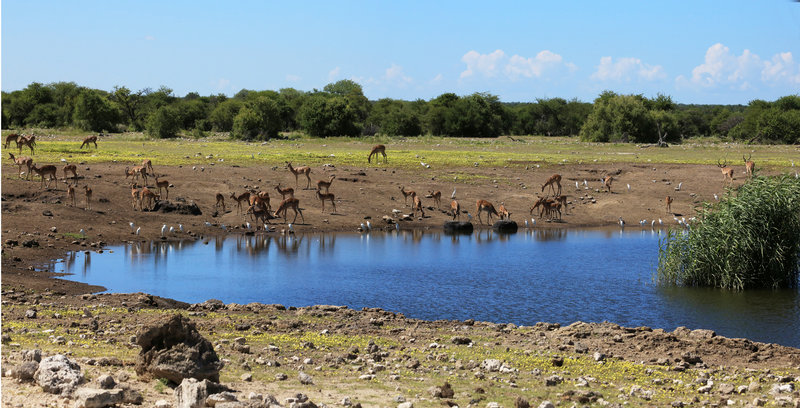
[[256, 204]]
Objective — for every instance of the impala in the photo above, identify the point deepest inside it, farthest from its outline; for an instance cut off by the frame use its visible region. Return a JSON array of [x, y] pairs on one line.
[[88, 197], [300, 170], [220, 200], [162, 184], [288, 191], [504, 214], [607, 182], [292, 203], [325, 184], [89, 139], [406, 193], [71, 168], [10, 138], [148, 165], [437, 197], [29, 141], [22, 161], [455, 209], [136, 198], [727, 172], [149, 197], [244, 197], [47, 170], [668, 200], [71, 194], [376, 150], [483, 205], [417, 205], [749, 165], [554, 179], [326, 196]]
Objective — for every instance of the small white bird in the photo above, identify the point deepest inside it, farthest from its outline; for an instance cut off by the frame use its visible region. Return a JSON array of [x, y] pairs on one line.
[[83, 233], [163, 230], [369, 225], [679, 186], [397, 227], [621, 222], [138, 230], [660, 222], [642, 222], [180, 227], [208, 224], [363, 227], [716, 197], [172, 230], [291, 227], [63, 160], [585, 184], [453, 196], [132, 226], [629, 187], [653, 224], [577, 186], [526, 223], [248, 225], [533, 222]]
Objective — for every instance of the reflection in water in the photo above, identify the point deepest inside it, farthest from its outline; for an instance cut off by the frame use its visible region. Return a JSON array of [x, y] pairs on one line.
[[534, 275]]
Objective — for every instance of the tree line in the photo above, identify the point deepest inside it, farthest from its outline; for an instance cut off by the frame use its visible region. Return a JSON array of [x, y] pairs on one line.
[[341, 109]]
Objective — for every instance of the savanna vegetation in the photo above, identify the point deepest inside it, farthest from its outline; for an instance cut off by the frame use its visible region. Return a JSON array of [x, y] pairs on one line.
[[341, 109], [749, 239]]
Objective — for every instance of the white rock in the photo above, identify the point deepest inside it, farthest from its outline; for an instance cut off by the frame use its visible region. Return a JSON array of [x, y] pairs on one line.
[[58, 375], [191, 393], [97, 398]]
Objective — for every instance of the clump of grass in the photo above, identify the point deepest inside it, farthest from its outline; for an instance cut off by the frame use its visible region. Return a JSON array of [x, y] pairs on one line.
[[750, 239]]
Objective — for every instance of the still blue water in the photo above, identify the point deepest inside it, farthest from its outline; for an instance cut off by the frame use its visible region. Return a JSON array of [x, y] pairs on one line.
[[542, 275]]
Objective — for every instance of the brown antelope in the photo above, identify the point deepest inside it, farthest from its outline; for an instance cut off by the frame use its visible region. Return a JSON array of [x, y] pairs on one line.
[[406, 193], [607, 182], [29, 141], [135, 172], [455, 209], [148, 197], [242, 197], [220, 200], [326, 196], [262, 198], [136, 198], [668, 200], [727, 172], [10, 138], [162, 184], [483, 205], [89, 139], [258, 213], [22, 161], [71, 168], [326, 184], [555, 178], [749, 165], [376, 150], [553, 208], [71, 194], [437, 197], [562, 199], [417, 205], [292, 203], [288, 191], [539, 203], [300, 170], [47, 170], [88, 197], [504, 214], [148, 165]]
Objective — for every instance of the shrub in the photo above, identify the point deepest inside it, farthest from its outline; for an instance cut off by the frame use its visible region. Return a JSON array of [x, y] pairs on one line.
[[750, 239], [163, 123]]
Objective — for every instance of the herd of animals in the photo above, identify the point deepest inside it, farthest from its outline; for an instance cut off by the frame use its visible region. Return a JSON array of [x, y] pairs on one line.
[[256, 204]]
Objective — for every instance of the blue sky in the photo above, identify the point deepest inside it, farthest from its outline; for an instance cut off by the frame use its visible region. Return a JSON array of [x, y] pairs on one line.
[[724, 52]]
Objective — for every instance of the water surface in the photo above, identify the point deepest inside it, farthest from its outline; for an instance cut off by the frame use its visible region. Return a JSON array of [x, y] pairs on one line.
[[541, 275]]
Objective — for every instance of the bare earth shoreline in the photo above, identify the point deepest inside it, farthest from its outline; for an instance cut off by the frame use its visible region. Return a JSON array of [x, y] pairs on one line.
[[34, 222]]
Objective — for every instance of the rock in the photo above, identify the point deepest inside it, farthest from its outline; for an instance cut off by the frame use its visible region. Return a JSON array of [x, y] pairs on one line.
[[58, 375], [281, 377], [491, 365], [461, 340], [106, 382], [180, 208], [458, 227], [175, 350], [492, 405], [546, 404], [191, 393], [553, 380], [30, 243], [30, 314], [246, 377], [97, 398], [505, 226], [214, 399], [781, 389], [557, 361], [521, 403], [754, 386], [702, 334], [726, 389], [162, 404], [407, 404], [366, 377], [598, 356], [704, 389], [25, 371], [305, 378]]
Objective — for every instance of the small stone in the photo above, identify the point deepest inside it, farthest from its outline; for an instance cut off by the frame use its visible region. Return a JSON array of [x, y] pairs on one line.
[[346, 402], [726, 389], [219, 398], [247, 377], [553, 380], [163, 404], [305, 378], [598, 356], [704, 389], [106, 382], [94, 398], [30, 314], [546, 404], [557, 361], [407, 404], [281, 377]]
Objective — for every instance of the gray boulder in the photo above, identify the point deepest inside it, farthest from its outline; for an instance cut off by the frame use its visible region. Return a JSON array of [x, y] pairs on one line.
[[25, 371], [58, 375], [175, 350], [97, 398]]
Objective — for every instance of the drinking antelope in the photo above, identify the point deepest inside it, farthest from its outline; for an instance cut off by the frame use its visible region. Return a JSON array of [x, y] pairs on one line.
[[376, 150], [455, 209], [326, 184], [504, 214], [554, 179], [300, 170], [220, 200], [292, 203], [483, 205], [89, 139]]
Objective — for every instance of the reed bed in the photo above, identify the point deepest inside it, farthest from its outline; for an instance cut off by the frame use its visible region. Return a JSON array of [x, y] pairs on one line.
[[749, 239]]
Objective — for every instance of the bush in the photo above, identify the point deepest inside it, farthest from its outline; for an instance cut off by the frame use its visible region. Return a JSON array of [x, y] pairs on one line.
[[163, 123], [750, 239]]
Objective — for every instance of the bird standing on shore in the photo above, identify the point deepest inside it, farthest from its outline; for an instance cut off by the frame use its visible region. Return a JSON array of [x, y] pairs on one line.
[[163, 230], [621, 222]]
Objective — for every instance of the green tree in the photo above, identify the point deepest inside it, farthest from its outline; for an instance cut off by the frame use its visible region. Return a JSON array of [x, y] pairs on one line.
[[619, 118], [94, 112], [328, 116], [131, 104], [222, 116], [260, 119], [164, 123]]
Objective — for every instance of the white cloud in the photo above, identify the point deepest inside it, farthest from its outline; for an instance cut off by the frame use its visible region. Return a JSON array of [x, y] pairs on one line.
[[292, 78], [516, 66], [723, 68], [334, 73], [395, 74], [627, 69], [149, 38], [482, 64]]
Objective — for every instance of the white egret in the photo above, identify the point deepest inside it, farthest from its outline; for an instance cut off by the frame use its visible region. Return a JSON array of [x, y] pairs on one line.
[[526, 223], [172, 230], [133, 227], [679, 186], [453, 196], [369, 225], [138, 230], [585, 184], [716, 197], [83, 233], [621, 222], [533, 221], [180, 227], [248, 225], [577, 186], [629, 187], [653, 224], [291, 227], [660, 222], [363, 227], [163, 230]]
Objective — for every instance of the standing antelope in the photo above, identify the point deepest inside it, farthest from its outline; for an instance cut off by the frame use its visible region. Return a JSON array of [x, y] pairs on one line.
[[88, 197], [504, 214], [607, 182], [136, 198], [406, 193], [148, 165], [749, 165], [162, 184], [135, 172], [541, 202], [727, 172], [71, 168], [89, 139], [376, 150], [455, 209], [292, 203], [220, 200], [243, 197], [555, 178], [11, 138], [326, 184], [437, 197], [562, 199], [284, 191], [483, 205], [22, 161], [417, 205], [326, 196], [668, 200], [26, 141], [71, 194], [297, 171], [149, 197], [49, 170]]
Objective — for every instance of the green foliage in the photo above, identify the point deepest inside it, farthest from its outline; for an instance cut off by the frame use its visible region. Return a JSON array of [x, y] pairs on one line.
[[94, 112], [164, 123], [631, 118], [222, 116], [323, 116], [131, 105], [750, 239]]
